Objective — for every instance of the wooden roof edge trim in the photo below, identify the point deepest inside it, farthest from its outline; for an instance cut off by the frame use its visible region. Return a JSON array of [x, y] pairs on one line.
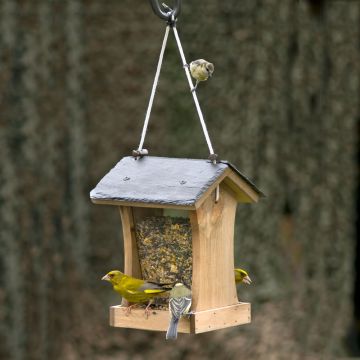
[[240, 184], [204, 195], [243, 177], [241, 197], [244, 186], [141, 204]]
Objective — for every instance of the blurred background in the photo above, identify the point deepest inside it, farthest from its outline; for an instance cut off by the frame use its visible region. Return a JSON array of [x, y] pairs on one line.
[[283, 106]]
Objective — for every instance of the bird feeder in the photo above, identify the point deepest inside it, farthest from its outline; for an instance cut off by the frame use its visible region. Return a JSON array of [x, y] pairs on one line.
[[178, 219], [185, 210]]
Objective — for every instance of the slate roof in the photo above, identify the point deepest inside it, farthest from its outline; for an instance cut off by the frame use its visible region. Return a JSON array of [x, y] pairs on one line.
[[161, 180]]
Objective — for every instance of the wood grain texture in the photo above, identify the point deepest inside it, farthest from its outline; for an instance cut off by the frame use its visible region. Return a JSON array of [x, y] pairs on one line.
[[131, 257], [158, 320], [210, 190], [213, 283], [199, 322], [244, 192], [220, 318]]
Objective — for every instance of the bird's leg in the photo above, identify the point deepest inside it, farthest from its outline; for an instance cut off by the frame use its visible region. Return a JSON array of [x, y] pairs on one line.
[[128, 309], [186, 66], [189, 314], [147, 311], [195, 87]]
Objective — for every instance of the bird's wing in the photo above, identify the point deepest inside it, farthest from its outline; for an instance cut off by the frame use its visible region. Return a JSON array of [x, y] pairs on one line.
[[170, 284], [132, 285], [179, 306], [134, 292], [151, 288], [165, 286]]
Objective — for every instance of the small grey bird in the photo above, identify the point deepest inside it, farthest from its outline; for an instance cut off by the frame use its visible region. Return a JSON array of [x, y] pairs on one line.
[[179, 304], [201, 70]]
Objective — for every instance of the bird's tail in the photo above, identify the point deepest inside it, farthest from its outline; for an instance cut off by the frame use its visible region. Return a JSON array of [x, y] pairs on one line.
[[171, 333]]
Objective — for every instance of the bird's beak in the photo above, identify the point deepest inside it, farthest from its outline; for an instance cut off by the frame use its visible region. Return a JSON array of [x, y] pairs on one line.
[[247, 280], [106, 277]]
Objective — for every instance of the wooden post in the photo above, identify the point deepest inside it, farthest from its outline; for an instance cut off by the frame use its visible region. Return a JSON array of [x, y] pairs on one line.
[[212, 224], [131, 256]]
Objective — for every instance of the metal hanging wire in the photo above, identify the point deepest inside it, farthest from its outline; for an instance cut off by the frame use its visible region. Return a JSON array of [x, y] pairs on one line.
[[171, 17], [140, 150]]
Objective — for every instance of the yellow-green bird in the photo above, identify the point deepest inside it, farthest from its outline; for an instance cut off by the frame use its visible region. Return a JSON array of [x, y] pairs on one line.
[[241, 276], [201, 70], [135, 290]]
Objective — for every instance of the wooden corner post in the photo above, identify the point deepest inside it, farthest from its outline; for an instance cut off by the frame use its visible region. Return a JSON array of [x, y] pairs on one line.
[[131, 256], [214, 297]]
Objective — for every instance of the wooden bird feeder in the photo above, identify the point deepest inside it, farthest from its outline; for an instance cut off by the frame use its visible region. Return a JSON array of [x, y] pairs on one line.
[[178, 219]]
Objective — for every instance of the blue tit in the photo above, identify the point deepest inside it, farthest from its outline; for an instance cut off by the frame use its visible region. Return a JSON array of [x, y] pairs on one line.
[[179, 305], [201, 70]]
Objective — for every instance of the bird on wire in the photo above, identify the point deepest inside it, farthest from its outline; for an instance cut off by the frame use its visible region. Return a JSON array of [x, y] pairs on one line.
[[179, 305], [201, 70], [134, 290], [241, 276]]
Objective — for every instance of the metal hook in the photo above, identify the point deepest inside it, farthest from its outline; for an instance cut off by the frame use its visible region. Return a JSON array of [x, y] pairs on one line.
[[168, 16]]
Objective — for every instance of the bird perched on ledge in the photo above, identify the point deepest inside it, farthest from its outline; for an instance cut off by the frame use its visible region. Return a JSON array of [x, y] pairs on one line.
[[201, 70], [135, 290], [241, 276], [179, 305]]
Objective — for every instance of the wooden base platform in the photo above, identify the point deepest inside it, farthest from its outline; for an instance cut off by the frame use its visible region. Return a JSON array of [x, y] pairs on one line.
[[199, 322]]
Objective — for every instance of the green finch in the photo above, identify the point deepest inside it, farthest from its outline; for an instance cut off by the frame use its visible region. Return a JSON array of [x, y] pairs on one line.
[[241, 276], [179, 304], [201, 70], [135, 290]]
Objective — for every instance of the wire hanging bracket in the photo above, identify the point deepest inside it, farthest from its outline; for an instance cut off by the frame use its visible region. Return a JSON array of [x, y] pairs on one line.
[[170, 16]]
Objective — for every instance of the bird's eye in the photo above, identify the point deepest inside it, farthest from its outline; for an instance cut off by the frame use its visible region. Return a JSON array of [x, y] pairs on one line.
[[111, 275]]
